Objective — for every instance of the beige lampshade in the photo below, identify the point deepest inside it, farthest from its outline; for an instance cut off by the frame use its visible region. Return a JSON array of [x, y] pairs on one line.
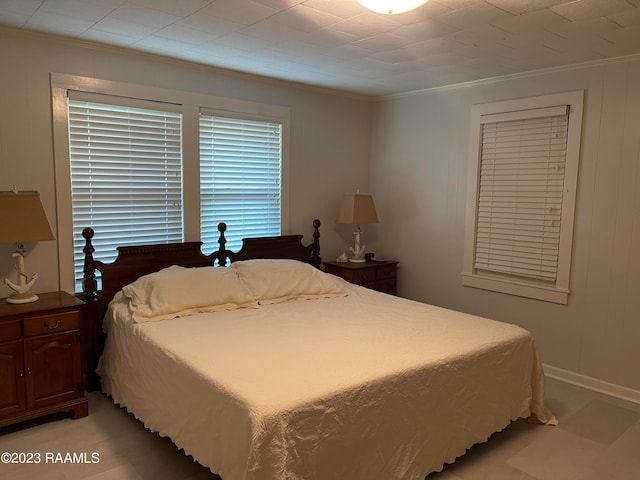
[[358, 210], [22, 218]]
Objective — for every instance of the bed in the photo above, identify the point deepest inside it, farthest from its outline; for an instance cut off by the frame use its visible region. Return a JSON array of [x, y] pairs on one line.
[[285, 372]]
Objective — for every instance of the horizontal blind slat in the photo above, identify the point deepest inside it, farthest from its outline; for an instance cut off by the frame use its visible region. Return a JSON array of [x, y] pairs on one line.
[[126, 175], [240, 178], [520, 195]]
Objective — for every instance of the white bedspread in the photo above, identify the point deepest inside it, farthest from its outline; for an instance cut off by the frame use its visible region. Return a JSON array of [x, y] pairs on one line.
[[367, 386]]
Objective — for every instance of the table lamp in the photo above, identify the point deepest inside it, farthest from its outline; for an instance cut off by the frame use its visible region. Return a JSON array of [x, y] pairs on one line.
[[357, 210], [23, 220]]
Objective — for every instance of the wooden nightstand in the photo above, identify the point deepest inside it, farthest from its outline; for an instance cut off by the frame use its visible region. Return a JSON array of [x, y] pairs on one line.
[[41, 358], [378, 275]]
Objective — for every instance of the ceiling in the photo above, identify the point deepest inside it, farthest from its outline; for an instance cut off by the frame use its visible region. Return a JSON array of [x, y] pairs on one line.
[[339, 44]]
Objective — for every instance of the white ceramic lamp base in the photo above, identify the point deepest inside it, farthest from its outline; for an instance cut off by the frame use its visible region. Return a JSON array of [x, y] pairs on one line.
[[25, 297], [357, 250]]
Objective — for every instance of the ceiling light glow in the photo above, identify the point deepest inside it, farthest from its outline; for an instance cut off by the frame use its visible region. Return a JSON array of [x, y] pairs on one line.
[[390, 7]]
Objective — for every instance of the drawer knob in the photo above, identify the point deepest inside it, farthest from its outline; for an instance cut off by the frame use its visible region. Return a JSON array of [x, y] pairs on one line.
[[52, 324]]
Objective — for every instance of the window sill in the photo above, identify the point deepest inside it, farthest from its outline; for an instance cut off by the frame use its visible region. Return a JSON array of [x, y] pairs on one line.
[[512, 287]]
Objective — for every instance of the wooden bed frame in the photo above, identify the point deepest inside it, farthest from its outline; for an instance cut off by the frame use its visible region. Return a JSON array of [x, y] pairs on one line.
[[133, 262]]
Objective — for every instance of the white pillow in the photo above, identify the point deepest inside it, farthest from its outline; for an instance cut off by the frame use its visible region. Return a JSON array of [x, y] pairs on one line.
[[178, 291], [275, 281]]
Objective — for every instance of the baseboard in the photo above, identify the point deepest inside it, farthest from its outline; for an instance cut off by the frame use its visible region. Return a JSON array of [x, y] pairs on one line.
[[591, 383]]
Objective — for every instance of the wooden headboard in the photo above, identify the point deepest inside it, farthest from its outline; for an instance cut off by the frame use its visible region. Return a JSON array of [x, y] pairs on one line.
[[133, 262]]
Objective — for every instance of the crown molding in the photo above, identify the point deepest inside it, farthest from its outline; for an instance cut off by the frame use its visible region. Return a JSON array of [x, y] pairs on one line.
[[514, 76]]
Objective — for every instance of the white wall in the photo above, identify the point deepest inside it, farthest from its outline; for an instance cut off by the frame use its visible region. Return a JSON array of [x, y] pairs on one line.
[[419, 168], [330, 133]]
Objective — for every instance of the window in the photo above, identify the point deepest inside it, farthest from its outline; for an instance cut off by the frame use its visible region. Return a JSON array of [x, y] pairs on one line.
[[522, 186], [126, 175], [128, 163], [240, 178]]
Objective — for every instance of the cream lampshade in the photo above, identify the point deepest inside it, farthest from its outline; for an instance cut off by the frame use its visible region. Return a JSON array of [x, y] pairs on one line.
[[23, 220], [357, 210]]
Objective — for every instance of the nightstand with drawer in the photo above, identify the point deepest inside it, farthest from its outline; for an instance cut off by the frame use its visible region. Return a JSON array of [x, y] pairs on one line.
[[41, 370], [377, 275]]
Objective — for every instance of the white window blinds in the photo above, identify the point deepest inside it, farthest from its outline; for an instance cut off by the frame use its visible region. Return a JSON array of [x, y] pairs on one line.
[[522, 170], [126, 176], [240, 178]]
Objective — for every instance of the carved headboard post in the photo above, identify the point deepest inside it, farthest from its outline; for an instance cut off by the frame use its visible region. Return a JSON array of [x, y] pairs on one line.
[[89, 283], [316, 260], [222, 241], [92, 323]]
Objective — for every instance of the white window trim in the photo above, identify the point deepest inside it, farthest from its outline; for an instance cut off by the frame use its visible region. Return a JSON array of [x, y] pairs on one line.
[[189, 104], [558, 293]]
